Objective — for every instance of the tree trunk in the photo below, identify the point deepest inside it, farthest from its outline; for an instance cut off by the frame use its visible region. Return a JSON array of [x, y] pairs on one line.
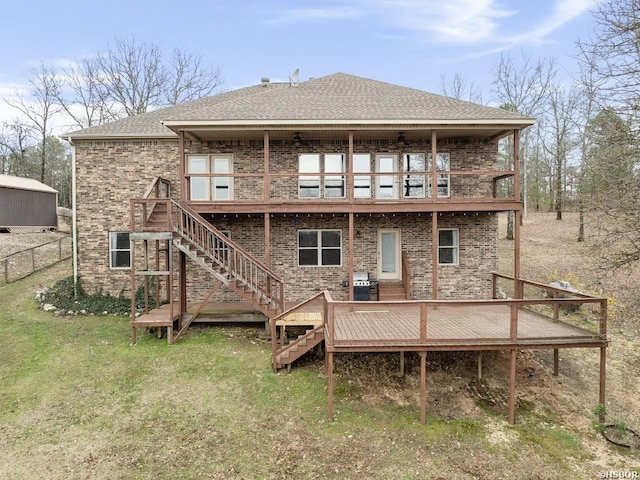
[[510, 225], [558, 203], [581, 222]]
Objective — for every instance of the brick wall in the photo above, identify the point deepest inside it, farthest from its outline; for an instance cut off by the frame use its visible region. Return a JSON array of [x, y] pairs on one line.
[[109, 173]]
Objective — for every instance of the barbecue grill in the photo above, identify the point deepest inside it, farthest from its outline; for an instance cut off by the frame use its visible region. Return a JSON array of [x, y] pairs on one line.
[[361, 284]]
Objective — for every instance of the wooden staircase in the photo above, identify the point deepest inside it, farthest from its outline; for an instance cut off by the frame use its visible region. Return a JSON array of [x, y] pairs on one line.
[[209, 248], [287, 354], [388, 291]]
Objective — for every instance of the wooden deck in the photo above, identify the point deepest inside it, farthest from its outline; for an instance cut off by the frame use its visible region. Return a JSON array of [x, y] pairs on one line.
[[452, 328]]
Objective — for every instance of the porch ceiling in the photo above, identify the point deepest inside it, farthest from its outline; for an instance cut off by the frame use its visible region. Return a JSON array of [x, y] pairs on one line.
[[411, 133]]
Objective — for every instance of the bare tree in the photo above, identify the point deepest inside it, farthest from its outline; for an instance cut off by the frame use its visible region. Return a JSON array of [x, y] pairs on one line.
[[589, 88], [524, 86], [133, 75], [40, 107], [612, 55], [460, 88], [189, 79], [562, 138], [85, 99], [14, 140], [611, 178]]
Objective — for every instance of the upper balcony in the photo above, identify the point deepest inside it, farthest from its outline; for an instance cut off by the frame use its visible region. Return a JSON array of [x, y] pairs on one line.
[[375, 182]]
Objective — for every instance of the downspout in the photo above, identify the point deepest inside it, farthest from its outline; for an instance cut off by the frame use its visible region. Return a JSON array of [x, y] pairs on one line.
[[74, 216]]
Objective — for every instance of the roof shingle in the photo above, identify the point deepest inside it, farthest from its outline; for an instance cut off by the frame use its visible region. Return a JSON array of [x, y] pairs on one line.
[[334, 98]]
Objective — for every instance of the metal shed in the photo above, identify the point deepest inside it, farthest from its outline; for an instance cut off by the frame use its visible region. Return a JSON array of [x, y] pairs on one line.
[[27, 204]]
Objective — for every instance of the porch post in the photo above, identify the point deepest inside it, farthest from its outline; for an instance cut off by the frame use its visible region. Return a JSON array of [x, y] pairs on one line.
[[512, 388], [266, 194], [556, 362], [434, 219], [350, 177], [183, 170], [329, 363], [603, 378], [517, 215], [267, 239], [350, 261], [423, 387], [182, 277]]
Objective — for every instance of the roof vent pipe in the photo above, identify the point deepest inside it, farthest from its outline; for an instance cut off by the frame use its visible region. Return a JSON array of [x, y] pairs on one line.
[[265, 81]]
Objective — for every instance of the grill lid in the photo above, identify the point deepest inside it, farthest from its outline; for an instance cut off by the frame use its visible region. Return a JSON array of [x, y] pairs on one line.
[[361, 279]]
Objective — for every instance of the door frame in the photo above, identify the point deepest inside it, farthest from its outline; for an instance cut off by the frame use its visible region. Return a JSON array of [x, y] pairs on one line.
[[397, 275]]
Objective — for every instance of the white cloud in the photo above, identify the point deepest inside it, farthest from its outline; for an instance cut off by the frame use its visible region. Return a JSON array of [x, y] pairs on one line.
[[447, 21], [300, 15]]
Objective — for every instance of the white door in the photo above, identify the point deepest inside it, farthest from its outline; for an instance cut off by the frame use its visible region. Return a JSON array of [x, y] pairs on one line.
[[389, 255]]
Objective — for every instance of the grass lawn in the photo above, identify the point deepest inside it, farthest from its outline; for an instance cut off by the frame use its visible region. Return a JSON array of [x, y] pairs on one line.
[[77, 401]]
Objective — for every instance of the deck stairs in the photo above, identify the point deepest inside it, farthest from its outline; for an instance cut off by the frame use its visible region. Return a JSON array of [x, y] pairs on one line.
[[388, 291], [209, 248], [225, 260], [290, 352]]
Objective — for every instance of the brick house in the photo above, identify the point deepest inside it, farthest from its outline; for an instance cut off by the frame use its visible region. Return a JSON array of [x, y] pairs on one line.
[[321, 179], [370, 207]]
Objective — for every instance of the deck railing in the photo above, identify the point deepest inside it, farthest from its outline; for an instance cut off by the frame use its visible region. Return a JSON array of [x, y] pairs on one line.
[[560, 318], [462, 185], [561, 305]]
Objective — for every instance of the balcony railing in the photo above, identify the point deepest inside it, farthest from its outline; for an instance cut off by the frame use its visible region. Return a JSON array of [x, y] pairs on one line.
[[477, 185]]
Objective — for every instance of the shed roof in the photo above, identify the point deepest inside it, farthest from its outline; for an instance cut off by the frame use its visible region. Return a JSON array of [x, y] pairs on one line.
[[22, 183], [334, 99]]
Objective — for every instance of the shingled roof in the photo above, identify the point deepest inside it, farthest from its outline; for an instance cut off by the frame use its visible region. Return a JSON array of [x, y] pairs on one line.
[[333, 99]]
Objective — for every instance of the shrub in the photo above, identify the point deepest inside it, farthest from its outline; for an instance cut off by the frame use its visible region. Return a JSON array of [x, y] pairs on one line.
[[63, 297]]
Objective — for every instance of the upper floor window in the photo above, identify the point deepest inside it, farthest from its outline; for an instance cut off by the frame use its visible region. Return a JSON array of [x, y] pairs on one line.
[[314, 185], [413, 184], [443, 164], [210, 187], [362, 183], [119, 250], [319, 248], [448, 246], [387, 185]]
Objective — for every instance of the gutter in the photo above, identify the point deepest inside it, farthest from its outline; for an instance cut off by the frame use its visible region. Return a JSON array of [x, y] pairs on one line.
[[74, 215]]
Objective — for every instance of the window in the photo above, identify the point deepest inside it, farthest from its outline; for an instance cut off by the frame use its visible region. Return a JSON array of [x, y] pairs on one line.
[[362, 183], [207, 187], [442, 165], [119, 250], [448, 246], [334, 184], [309, 186], [319, 248], [413, 184], [386, 185], [220, 248]]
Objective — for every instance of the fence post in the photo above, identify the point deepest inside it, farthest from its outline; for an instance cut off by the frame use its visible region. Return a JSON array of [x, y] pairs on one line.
[[6, 270], [33, 260]]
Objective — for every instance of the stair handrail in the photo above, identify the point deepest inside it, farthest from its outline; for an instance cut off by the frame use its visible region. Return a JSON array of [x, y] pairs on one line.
[[156, 187], [158, 191], [240, 264]]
